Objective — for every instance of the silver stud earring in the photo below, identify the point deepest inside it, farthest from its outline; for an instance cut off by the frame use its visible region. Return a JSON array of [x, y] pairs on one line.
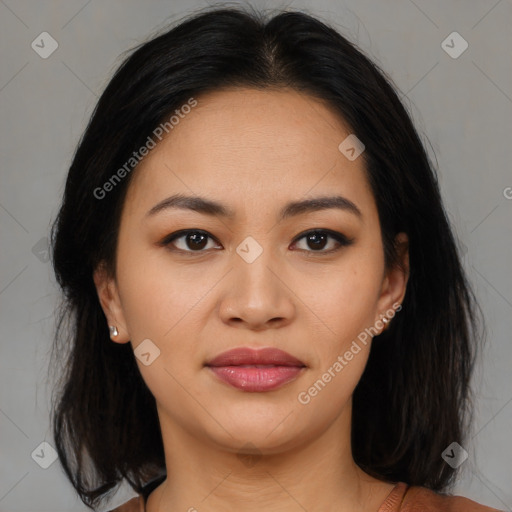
[[113, 330]]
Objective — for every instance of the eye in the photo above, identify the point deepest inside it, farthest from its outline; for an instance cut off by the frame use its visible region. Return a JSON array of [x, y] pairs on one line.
[[194, 239], [317, 239]]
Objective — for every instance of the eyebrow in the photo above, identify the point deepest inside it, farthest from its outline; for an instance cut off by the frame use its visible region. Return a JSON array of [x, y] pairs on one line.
[[214, 208]]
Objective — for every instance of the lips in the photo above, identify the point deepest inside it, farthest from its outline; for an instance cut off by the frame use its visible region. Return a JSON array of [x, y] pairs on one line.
[[256, 370], [248, 356]]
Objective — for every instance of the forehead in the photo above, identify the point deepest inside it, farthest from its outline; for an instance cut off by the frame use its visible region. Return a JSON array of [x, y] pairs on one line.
[[252, 144], [281, 121]]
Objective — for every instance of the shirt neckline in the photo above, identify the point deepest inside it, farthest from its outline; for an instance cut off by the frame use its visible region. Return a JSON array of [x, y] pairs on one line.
[[394, 498]]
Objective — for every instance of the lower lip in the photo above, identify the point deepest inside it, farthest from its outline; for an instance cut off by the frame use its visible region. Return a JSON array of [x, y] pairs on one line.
[[253, 378]]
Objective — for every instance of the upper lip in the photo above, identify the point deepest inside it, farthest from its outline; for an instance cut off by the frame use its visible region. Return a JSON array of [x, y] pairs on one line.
[[246, 356]]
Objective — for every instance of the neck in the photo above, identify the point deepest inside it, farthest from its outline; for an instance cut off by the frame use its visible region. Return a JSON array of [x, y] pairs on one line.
[[316, 475]]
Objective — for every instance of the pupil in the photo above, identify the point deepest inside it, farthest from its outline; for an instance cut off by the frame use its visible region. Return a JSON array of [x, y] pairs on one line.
[[196, 237], [316, 243]]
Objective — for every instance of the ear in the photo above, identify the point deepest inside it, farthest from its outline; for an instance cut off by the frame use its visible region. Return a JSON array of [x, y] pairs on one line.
[[394, 284], [108, 295]]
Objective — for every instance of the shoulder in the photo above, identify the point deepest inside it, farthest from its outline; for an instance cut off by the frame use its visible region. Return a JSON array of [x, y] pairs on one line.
[[421, 499], [134, 505]]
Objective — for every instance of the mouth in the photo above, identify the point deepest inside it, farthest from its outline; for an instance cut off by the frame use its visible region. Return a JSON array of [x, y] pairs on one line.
[[256, 370]]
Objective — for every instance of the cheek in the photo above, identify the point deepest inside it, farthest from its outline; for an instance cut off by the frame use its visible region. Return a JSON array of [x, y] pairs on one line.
[[341, 344], [344, 297], [157, 296], [159, 304], [165, 302]]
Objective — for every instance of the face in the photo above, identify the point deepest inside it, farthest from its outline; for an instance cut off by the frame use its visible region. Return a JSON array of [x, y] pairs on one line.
[[269, 274]]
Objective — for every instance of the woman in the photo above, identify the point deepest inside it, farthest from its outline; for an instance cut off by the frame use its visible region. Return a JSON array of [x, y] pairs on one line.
[[268, 308]]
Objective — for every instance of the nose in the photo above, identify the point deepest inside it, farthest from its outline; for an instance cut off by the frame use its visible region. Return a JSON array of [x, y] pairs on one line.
[[256, 295]]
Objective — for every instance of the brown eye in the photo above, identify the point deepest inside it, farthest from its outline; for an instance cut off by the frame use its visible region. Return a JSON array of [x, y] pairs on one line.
[[318, 239], [192, 240]]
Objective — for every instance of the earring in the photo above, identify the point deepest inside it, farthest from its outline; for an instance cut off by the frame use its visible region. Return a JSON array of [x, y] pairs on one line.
[[113, 330], [386, 323]]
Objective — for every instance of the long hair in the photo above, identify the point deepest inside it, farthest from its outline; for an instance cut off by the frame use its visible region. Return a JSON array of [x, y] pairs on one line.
[[414, 396]]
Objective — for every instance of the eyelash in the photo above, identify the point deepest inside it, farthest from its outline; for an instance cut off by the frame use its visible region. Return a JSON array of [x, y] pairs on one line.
[[342, 240]]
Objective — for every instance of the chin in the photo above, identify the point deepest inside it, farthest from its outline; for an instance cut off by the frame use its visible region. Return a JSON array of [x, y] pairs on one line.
[[269, 430]]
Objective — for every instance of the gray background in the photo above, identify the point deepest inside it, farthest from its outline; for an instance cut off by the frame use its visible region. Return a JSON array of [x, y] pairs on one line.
[[463, 106]]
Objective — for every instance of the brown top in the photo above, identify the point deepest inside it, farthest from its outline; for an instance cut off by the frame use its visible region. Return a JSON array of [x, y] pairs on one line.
[[402, 498]]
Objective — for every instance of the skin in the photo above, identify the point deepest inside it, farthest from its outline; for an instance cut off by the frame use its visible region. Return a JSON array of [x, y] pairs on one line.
[[254, 151]]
